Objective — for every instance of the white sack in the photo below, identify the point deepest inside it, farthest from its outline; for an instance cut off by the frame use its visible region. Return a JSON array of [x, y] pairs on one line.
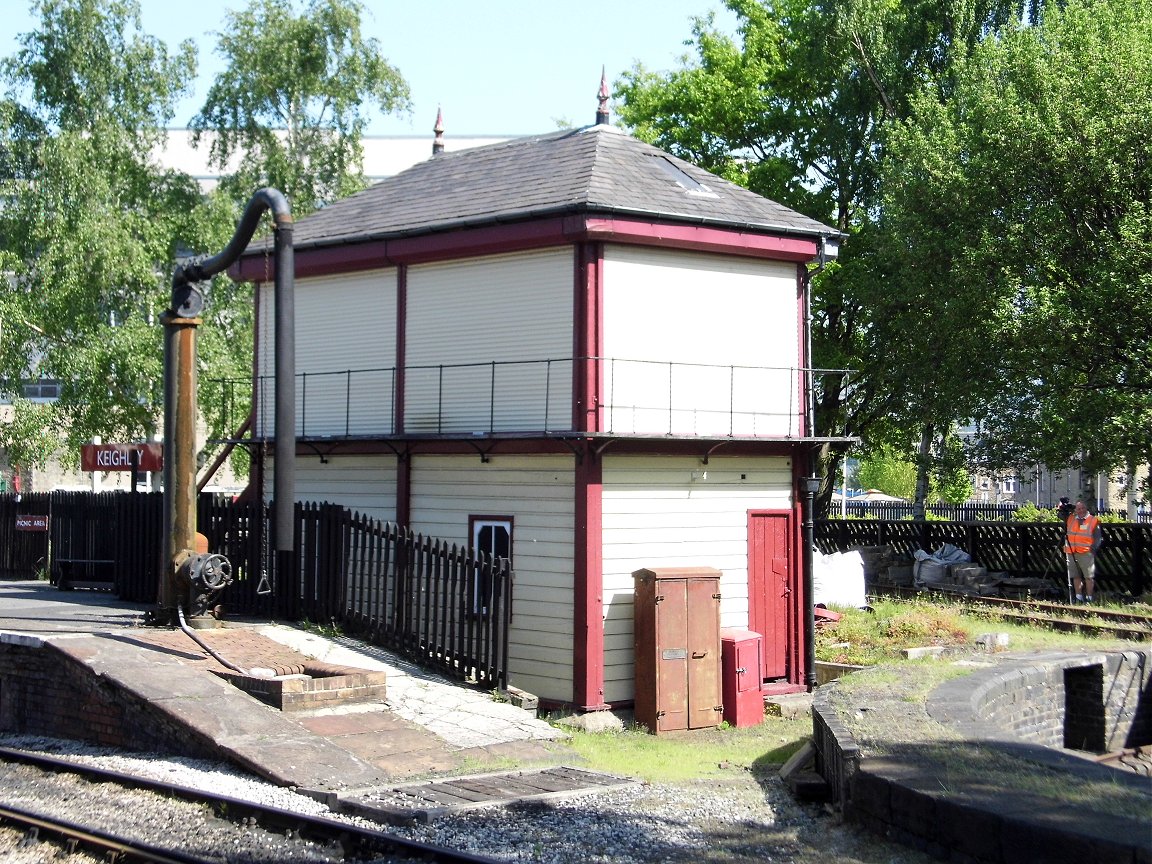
[[838, 579]]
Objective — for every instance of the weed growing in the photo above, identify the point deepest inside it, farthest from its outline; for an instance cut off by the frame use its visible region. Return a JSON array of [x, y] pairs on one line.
[[676, 757], [881, 633]]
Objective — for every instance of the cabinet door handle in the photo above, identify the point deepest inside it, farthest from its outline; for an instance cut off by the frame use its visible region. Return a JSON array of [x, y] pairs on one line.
[[696, 655]]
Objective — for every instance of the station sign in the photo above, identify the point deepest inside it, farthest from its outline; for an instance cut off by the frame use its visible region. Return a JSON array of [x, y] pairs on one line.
[[31, 523], [119, 457]]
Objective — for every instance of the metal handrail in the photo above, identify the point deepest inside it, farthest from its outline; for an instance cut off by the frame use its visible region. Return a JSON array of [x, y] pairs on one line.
[[516, 396]]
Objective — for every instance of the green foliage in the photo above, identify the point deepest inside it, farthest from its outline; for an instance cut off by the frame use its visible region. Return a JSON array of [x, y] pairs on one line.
[[1029, 512], [32, 436], [90, 225], [1027, 183], [1111, 517], [797, 108], [888, 472], [292, 100]]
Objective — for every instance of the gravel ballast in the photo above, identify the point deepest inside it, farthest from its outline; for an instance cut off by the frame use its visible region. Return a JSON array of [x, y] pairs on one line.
[[732, 818]]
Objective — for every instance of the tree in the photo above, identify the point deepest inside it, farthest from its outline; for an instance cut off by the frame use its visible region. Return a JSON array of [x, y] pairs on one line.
[[291, 103], [798, 111], [91, 226], [1032, 181], [887, 468], [887, 471]]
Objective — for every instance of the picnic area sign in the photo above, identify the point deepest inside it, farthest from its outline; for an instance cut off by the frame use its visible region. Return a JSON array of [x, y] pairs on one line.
[[121, 457], [31, 523]]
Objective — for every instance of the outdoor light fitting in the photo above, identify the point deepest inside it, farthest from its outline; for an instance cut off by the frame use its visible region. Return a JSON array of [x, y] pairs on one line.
[[829, 248]]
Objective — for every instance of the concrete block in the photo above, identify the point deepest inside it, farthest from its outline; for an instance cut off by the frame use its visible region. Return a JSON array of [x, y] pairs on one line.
[[801, 760], [522, 699], [926, 651], [593, 721], [789, 705]]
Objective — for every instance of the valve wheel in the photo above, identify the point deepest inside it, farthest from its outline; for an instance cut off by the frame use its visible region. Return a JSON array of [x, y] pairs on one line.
[[215, 572]]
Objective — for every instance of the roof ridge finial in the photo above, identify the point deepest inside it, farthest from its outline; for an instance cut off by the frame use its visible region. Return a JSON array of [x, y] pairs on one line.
[[602, 116], [438, 141]]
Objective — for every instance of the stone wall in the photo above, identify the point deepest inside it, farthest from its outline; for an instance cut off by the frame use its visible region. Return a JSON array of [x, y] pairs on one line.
[[1037, 709], [45, 692], [1097, 703]]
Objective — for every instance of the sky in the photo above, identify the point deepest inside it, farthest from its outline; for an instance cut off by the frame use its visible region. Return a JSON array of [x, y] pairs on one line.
[[494, 67]]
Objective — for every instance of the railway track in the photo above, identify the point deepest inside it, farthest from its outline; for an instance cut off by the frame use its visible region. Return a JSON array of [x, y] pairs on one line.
[[1090, 620], [339, 840]]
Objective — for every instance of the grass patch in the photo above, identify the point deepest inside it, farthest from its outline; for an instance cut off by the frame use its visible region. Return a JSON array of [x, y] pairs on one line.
[[865, 638], [891, 694], [676, 757]]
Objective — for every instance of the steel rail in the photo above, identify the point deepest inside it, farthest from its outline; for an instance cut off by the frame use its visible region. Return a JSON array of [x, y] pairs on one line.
[[1061, 616], [114, 847], [356, 842]]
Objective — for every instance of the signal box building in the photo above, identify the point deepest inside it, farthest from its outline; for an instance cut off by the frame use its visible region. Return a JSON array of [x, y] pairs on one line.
[[576, 351]]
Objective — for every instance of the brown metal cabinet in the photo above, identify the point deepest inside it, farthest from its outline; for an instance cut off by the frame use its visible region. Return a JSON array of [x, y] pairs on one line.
[[677, 640]]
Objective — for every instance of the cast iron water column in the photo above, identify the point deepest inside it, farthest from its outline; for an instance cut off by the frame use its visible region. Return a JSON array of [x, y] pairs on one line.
[[185, 571]]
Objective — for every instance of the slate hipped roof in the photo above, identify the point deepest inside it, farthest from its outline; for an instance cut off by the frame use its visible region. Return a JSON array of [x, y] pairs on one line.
[[594, 170]]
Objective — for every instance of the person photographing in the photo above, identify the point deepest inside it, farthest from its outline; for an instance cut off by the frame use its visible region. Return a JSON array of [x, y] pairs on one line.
[[1082, 537]]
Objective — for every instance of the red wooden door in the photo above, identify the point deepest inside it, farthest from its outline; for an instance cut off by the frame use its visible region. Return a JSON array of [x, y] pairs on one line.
[[771, 585]]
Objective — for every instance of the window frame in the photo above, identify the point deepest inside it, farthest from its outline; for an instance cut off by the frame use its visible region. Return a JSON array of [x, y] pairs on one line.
[[476, 524]]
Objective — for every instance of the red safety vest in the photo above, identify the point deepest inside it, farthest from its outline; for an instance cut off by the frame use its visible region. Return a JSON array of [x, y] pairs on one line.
[[1080, 534]]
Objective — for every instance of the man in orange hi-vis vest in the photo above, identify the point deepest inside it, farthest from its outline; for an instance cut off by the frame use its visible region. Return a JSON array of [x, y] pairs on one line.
[[1082, 538]]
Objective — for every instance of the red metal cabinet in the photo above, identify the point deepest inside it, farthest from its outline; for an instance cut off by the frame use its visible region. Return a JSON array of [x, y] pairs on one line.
[[741, 652], [677, 648]]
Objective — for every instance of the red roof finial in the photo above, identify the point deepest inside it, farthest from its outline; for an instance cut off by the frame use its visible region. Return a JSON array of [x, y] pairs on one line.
[[438, 141], [602, 110]]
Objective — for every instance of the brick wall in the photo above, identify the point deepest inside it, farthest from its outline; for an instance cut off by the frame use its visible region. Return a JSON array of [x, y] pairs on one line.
[[1099, 705], [1101, 702], [45, 692]]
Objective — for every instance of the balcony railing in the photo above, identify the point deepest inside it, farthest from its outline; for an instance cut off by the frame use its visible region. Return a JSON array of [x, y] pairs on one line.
[[639, 397]]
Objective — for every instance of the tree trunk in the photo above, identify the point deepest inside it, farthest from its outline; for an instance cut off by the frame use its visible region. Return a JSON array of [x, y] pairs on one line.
[[920, 499]]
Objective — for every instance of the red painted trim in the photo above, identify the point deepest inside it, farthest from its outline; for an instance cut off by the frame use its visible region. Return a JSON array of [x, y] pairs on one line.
[[588, 585], [530, 446], [490, 240], [511, 520], [530, 234], [700, 449], [779, 688], [703, 238], [401, 347], [803, 601], [587, 338]]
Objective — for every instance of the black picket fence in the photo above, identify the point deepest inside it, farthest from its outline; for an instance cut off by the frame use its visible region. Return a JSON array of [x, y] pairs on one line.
[[436, 603], [895, 510], [1021, 549]]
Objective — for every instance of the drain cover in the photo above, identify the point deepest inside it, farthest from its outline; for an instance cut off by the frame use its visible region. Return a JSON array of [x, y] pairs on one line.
[[430, 799]]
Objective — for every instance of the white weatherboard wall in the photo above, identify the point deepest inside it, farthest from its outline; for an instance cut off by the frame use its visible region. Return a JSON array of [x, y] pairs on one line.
[[345, 354], [700, 344], [363, 484], [676, 512], [463, 316], [536, 492]]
